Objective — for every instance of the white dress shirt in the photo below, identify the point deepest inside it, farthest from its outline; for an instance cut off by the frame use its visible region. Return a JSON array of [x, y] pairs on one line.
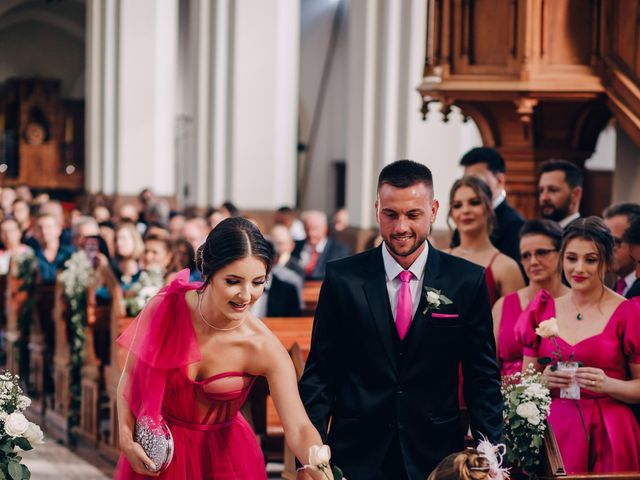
[[305, 253], [629, 280], [567, 220], [392, 269]]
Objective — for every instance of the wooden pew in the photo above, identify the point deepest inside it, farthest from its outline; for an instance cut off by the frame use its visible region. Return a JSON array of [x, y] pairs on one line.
[[310, 295], [41, 348], [298, 359], [294, 333]]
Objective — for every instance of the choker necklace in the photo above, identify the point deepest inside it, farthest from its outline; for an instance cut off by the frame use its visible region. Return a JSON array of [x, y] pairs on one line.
[[213, 326]]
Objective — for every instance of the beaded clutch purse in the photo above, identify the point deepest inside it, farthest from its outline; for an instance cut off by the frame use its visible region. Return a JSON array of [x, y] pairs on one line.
[[156, 440]]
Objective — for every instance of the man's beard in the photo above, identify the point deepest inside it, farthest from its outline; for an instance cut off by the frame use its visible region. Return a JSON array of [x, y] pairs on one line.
[[558, 213], [416, 246]]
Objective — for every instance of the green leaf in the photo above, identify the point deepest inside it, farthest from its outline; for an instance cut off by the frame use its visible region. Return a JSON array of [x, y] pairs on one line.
[[446, 300], [337, 473], [15, 471], [544, 361], [23, 443], [26, 474]]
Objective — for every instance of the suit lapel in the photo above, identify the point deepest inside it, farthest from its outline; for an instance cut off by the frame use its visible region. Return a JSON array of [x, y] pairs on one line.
[[375, 289]]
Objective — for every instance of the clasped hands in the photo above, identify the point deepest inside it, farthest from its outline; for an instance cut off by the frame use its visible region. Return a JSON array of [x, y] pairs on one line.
[[590, 378]]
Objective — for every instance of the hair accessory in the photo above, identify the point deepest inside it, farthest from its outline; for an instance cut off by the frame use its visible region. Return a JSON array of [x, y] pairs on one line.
[[494, 455]]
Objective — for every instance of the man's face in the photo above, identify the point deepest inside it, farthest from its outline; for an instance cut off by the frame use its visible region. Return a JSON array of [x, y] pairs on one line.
[[623, 262], [315, 229], [555, 196], [48, 230], [481, 171], [281, 239], [405, 216]]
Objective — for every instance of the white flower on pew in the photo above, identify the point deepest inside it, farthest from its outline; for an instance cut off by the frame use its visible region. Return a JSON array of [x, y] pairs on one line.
[[34, 434], [16, 425]]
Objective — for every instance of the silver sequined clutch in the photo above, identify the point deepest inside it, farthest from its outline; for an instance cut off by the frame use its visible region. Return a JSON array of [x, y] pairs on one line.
[[156, 440]]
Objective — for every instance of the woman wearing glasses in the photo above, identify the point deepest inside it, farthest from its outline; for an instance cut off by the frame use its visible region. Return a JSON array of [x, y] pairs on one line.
[[539, 253]]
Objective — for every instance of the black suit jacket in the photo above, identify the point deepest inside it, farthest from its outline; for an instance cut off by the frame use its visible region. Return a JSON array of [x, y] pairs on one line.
[[282, 299], [333, 250], [634, 291], [372, 385]]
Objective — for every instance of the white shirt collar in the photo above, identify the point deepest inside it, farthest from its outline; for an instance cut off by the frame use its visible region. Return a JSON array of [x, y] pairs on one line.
[[629, 279], [567, 220], [392, 268], [499, 199], [319, 247]]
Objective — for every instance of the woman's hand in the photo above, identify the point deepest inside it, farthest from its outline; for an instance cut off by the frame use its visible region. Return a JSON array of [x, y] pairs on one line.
[[556, 378], [138, 459], [593, 379]]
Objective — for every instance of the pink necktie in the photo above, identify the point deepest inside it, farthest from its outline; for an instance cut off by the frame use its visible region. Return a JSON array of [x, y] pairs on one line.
[[405, 305], [621, 286]]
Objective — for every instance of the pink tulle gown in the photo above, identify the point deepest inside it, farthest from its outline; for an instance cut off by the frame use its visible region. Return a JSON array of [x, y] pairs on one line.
[[612, 427], [212, 439]]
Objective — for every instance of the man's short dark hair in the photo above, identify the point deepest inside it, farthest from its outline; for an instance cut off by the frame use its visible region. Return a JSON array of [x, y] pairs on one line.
[[629, 210], [632, 234], [490, 156], [572, 174], [405, 173]]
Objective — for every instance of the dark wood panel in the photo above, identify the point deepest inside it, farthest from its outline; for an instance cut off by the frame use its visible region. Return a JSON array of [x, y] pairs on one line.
[[568, 33], [490, 49]]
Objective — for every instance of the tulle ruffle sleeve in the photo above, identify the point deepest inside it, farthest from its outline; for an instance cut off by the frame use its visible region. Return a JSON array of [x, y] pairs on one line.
[[160, 339], [629, 329], [542, 307]]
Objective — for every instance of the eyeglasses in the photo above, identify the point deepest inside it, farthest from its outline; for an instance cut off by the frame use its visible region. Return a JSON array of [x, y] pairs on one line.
[[540, 254]]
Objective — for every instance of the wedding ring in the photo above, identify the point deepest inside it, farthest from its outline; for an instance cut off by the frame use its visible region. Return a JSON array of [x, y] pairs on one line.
[[593, 382]]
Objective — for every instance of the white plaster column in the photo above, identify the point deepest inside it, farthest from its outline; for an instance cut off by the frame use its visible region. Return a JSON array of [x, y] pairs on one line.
[[264, 100], [626, 176], [146, 96]]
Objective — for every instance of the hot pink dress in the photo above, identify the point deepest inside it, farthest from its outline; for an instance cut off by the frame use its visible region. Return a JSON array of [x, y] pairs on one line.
[[509, 348], [212, 440], [612, 427]]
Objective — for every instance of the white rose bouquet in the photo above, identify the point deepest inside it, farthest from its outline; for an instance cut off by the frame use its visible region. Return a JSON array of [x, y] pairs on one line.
[[150, 282], [527, 403], [17, 433]]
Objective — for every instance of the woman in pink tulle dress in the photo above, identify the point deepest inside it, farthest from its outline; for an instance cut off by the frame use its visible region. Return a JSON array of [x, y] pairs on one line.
[[539, 252], [194, 353], [600, 329]]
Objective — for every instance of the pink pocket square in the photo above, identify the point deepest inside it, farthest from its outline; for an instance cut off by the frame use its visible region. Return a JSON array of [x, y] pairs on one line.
[[444, 315]]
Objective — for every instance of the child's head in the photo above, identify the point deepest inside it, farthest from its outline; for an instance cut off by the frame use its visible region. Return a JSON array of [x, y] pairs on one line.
[[467, 465]]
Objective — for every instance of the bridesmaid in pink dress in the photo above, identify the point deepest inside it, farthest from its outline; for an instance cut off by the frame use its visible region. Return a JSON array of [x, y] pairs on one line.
[[598, 432], [471, 211], [539, 252], [194, 353]]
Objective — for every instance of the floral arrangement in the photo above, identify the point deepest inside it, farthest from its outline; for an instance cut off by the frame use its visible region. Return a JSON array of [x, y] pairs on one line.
[[18, 433], [77, 276], [527, 403], [319, 458], [150, 282], [26, 270]]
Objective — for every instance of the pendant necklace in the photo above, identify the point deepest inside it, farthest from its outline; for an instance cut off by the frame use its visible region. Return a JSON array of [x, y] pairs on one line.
[[579, 316]]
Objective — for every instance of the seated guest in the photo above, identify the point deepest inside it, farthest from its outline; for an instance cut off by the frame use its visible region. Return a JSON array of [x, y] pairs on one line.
[[618, 218], [129, 249], [7, 197], [10, 236], [539, 253], [467, 465], [318, 249], [176, 223], [50, 252], [183, 256], [214, 217], [157, 253], [599, 329], [284, 245], [54, 208], [471, 211], [287, 216], [488, 165], [22, 215], [23, 192], [632, 237], [101, 213], [560, 191], [195, 231], [340, 220]]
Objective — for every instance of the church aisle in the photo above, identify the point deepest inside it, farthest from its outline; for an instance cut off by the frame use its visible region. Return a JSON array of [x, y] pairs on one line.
[[51, 461]]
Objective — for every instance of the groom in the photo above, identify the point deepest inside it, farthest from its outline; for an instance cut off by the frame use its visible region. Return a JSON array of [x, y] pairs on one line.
[[381, 380]]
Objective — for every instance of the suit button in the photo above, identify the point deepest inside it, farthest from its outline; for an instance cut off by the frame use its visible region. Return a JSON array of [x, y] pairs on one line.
[[400, 391], [401, 427]]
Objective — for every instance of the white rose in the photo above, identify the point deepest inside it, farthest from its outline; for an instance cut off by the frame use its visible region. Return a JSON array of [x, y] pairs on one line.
[[3, 416], [535, 420], [16, 424], [23, 402], [34, 434], [319, 455], [527, 410], [536, 390], [548, 328], [433, 298]]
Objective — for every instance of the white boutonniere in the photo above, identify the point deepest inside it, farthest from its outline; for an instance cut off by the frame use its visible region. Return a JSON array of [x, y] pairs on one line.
[[434, 299]]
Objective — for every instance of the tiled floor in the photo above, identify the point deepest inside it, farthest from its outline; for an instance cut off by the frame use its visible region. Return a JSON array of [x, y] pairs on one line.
[[52, 461]]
